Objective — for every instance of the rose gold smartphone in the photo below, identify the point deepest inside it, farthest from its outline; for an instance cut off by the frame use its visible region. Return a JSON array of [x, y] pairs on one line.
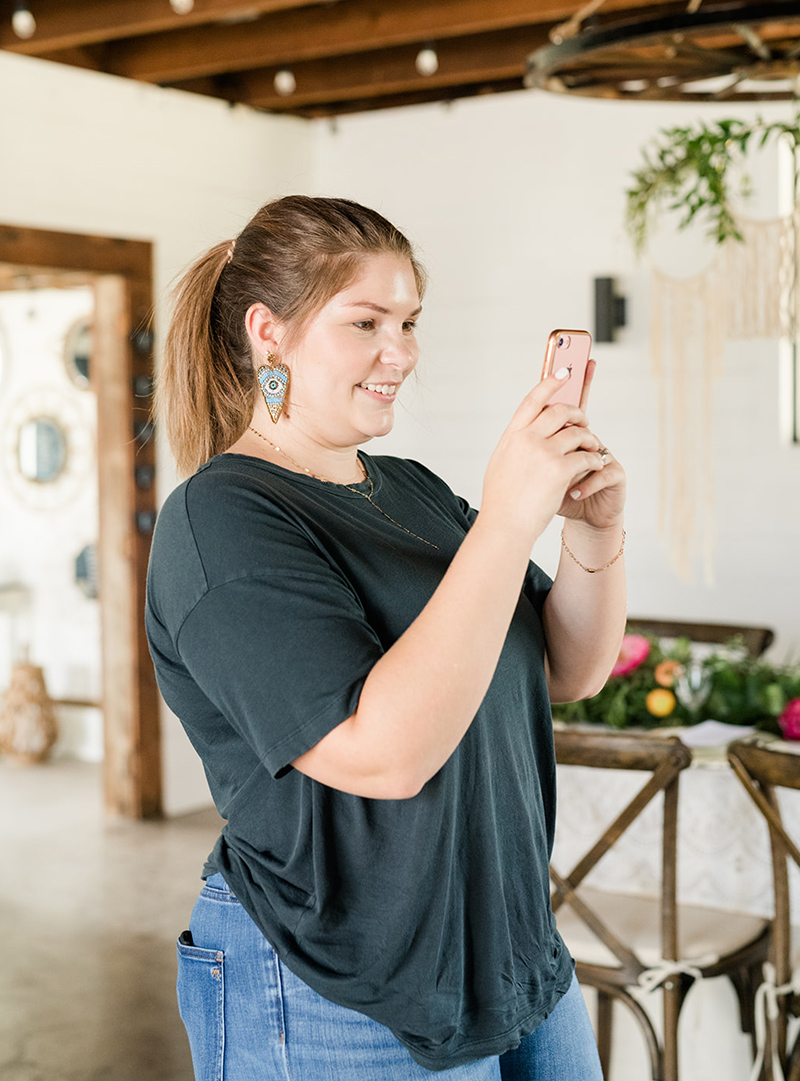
[[568, 349]]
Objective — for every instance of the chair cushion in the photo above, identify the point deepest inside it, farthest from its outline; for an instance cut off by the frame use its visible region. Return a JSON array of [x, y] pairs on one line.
[[635, 921]]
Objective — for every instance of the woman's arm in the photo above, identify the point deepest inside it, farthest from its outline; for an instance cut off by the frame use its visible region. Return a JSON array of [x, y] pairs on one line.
[[584, 614], [585, 611], [422, 695]]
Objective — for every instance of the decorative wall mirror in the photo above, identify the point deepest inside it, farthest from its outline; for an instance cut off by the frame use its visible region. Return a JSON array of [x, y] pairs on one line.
[[86, 576], [47, 447], [78, 353], [42, 450]]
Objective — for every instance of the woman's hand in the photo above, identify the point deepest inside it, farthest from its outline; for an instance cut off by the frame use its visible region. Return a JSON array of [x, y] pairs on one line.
[[546, 452], [598, 498]]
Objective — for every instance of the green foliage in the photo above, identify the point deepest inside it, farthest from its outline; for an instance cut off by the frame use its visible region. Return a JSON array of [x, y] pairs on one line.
[[689, 171], [621, 703], [743, 691], [751, 691]]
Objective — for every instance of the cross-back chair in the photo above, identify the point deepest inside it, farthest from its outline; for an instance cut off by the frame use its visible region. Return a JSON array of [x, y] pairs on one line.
[[763, 770], [625, 944]]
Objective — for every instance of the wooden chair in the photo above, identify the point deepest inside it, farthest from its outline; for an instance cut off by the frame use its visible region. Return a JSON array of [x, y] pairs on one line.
[[755, 639], [620, 941], [762, 770]]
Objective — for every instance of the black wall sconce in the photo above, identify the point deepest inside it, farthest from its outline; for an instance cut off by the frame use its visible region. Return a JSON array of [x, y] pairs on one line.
[[609, 310]]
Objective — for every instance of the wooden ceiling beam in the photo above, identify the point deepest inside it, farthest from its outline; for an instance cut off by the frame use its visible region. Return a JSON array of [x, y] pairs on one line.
[[308, 34], [479, 59], [84, 56], [353, 55], [71, 24], [421, 97]]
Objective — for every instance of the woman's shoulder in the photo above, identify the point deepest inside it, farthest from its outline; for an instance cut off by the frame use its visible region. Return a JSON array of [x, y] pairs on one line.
[[227, 523], [222, 511], [224, 485]]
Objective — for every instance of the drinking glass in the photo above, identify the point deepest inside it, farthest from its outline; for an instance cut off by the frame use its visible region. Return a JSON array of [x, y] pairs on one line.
[[693, 686]]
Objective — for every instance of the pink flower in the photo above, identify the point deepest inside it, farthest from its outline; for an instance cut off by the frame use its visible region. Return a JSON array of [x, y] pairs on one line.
[[789, 720], [635, 649]]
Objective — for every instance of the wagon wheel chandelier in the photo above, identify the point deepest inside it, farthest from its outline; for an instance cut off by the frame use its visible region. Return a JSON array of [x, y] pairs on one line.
[[701, 50]]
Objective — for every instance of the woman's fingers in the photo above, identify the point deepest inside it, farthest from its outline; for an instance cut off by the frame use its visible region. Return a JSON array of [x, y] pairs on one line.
[[596, 480], [534, 402], [573, 437], [586, 464]]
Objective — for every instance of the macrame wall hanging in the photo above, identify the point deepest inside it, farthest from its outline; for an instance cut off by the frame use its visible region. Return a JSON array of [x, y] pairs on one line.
[[749, 291]]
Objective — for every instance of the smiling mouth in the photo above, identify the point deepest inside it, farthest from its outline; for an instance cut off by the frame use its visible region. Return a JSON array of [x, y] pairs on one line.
[[387, 389]]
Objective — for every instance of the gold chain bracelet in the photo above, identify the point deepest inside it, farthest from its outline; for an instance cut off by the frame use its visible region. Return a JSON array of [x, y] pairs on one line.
[[593, 570]]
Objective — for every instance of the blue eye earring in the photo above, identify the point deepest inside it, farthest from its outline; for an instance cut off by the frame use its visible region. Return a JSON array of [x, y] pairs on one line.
[[274, 382]]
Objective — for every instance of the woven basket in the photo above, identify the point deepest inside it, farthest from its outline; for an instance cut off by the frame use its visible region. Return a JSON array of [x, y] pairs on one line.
[[28, 727]]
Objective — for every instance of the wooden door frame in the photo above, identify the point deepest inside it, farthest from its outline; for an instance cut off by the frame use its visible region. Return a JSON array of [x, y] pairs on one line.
[[122, 376]]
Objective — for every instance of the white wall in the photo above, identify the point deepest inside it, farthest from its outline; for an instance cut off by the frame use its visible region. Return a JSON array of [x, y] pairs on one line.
[[91, 153], [517, 202]]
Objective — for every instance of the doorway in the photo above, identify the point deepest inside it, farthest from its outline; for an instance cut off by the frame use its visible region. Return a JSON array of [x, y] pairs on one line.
[[119, 273]]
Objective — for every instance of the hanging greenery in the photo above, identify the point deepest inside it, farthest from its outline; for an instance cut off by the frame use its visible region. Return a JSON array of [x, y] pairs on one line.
[[691, 166]]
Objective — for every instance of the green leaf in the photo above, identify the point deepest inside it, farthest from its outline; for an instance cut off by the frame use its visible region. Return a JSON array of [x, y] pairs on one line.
[[774, 699], [617, 715], [686, 171]]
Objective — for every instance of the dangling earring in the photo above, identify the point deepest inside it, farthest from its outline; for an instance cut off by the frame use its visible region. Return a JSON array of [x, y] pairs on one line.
[[274, 382]]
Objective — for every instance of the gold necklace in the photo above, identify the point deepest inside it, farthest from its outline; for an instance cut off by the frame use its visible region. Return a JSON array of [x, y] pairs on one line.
[[349, 487]]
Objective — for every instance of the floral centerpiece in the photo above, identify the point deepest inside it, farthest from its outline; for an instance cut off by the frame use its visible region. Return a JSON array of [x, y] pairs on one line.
[[652, 687]]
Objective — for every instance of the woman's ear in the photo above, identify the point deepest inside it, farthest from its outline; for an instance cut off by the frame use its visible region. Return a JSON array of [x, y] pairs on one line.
[[263, 330]]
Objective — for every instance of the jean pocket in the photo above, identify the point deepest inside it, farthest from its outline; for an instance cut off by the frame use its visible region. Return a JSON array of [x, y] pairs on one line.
[[201, 1002]]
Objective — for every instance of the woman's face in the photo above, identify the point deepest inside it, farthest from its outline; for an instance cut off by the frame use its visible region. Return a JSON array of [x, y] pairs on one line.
[[350, 363]]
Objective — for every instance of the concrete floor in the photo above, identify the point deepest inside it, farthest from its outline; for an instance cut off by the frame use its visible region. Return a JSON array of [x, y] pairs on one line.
[[89, 912]]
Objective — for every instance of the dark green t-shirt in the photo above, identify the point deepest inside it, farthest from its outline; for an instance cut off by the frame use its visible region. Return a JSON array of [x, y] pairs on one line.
[[270, 597]]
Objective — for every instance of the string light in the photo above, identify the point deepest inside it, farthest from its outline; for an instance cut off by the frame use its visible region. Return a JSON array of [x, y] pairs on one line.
[[427, 62], [22, 21], [181, 7], [284, 82]]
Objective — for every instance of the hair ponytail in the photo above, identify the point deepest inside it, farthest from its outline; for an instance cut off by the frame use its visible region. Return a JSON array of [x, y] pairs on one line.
[[294, 255], [202, 394]]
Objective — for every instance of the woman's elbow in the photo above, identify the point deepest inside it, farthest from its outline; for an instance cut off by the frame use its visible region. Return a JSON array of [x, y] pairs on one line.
[[574, 690], [350, 775]]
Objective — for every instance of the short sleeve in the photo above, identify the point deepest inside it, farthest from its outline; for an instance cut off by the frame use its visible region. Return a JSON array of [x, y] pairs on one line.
[[282, 653], [536, 586]]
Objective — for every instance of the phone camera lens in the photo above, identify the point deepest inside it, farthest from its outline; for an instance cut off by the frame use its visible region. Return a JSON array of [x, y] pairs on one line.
[[563, 341]]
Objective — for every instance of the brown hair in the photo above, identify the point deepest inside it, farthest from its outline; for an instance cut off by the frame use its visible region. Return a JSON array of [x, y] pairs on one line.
[[294, 255]]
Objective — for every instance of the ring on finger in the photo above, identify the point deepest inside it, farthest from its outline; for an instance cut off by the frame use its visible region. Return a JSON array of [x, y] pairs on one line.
[[604, 452]]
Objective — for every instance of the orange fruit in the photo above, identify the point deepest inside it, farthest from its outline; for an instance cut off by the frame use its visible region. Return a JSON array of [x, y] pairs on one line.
[[660, 702]]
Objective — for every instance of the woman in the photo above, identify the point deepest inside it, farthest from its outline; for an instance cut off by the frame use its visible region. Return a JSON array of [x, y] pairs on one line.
[[365, 666]]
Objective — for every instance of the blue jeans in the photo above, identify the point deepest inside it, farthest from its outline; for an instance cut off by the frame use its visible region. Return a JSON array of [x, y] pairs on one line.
[[249, 1018]]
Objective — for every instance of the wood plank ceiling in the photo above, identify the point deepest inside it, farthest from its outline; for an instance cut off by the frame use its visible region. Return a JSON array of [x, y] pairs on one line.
[[343, 55]]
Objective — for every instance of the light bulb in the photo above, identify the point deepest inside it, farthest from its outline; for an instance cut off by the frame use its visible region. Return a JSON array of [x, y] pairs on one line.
[[427, 62], [23, 22], [284, 82], [181, 7]]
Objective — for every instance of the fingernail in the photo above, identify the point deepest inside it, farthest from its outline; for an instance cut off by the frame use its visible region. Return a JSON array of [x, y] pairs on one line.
[[562, 373], [576, 494]]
